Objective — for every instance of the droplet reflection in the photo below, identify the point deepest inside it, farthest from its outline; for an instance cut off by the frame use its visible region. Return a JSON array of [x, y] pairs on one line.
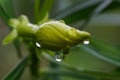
[[86, 42], [58, 56], [37, 44]]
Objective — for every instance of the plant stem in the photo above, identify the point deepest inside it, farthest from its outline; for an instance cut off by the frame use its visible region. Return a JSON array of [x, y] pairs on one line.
[[36, 10], [34, 67], [17, 47]]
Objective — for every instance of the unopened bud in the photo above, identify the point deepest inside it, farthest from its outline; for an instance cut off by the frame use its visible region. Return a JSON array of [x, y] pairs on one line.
[[55, 35]]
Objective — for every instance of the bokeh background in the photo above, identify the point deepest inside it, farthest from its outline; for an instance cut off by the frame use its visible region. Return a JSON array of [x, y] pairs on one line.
[[105, 27]]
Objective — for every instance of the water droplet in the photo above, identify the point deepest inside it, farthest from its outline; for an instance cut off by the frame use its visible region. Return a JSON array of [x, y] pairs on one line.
[[37, 44], [59, 56], [86, 42]]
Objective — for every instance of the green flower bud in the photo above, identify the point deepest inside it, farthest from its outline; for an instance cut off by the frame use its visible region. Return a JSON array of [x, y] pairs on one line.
[[56, 36], [52, 35]]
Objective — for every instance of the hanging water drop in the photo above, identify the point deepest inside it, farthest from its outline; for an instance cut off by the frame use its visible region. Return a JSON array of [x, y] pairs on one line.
[[59, 56], [86, 42], [37, 44]]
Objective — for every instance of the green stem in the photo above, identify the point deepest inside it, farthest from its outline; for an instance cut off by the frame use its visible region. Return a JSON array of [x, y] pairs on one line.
[[27, 30], [17, 47], [34, 67], [36, 10]]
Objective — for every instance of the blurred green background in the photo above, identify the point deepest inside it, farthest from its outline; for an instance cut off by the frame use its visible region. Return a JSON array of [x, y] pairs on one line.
[[104, 27]]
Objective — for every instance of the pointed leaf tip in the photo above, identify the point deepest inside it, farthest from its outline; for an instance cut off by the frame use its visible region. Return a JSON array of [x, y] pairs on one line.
[[10, 37], [14, 22]]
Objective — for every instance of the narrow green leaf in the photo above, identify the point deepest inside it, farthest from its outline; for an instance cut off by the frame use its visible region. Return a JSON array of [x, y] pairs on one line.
[[104, 51], [6, 11], [78, 12], [69, 73], [84, 10], [36, 10], [17, 71], [44, 19], [9, 8], [114, 5], [44, 13], [46, 7], [7, 5], [3, 15], [96, 12], [11, 37], [81, 71], [85, 75]]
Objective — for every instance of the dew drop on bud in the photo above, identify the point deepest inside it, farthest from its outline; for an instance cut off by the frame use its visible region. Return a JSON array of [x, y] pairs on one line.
[[59, 57], [37, 44], [86, 42]]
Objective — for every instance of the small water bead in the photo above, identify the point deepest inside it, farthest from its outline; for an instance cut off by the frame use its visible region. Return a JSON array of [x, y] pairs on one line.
[[86, 42], [37, 44], [59, 57]]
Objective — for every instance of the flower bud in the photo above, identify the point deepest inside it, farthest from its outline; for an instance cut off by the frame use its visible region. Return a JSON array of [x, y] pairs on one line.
[[56, 36], [52, 35]]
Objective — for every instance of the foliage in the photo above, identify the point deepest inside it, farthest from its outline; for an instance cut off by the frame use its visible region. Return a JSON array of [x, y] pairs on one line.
[[83, 11]]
